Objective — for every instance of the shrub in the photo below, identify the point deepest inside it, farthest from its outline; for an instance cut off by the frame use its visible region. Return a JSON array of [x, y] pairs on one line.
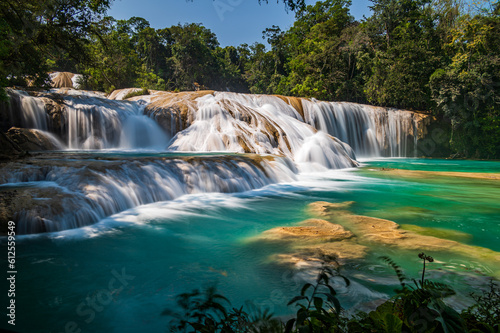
[[141, 92]]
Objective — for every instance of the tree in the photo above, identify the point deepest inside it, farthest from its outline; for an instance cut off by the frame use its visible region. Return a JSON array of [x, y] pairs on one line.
[[114, 63], [314, 47], [406, 51], [36, 30], [467, 90]]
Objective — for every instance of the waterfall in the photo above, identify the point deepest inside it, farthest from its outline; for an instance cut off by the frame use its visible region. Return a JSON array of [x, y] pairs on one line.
[[89, 121], [97, 123], [32, 113], [70, 194], [259, 140], [258, 124], [221, 121], [370, 131]]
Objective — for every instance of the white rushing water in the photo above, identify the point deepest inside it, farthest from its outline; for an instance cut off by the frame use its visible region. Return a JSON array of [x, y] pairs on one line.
[[69, 194], [317, 137], [263, 125], [370, 131], [228, 122]]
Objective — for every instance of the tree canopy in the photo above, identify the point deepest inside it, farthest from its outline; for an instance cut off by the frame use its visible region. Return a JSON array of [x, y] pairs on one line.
[[36, 34]]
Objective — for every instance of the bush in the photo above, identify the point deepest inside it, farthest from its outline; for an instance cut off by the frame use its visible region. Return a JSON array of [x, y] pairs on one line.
[[141, 92]]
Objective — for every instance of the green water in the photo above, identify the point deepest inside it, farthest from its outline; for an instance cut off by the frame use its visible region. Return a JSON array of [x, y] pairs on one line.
[[163, 249]]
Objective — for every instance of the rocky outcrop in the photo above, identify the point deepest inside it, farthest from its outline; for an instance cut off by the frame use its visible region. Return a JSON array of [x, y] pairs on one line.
[[174, 111], [35, 205], [65, 80], [309, 230], [32, 140], [9, 149], [378, 232]]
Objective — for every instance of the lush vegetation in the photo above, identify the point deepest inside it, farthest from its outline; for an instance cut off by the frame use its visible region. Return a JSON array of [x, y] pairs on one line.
[[418, 306], [432, 55]]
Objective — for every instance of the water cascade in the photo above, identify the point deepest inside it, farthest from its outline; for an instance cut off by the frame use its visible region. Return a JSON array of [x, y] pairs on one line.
[[369, 130], [72, 191], [289, 135], [32, 113], [89, 121], [258, 124]]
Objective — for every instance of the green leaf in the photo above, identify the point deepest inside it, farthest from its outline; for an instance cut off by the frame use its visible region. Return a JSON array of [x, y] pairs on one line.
[[302, 315], [289, 325], [304, 288], [332, 291], [318, 303], [296, 299], [450, 320]]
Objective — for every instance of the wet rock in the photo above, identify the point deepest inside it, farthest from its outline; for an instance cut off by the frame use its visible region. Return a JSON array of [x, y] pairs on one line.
[[10, 150], [455, 235], [373, 231], [37, 207], [313, 240], [312, 229], [174, 111], [32, 140], [63, 80]]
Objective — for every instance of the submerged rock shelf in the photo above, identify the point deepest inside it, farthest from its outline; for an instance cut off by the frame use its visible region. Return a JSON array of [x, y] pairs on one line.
[[337, 232]]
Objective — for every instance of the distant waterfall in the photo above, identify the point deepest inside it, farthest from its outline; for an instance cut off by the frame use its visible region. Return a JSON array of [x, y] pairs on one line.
[[370, 131]]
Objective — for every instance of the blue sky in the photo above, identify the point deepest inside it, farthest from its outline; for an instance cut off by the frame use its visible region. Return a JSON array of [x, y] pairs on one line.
[[233, 21]]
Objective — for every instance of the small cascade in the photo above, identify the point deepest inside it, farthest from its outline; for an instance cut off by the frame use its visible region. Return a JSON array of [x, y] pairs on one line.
[[97, 123], [259, 124], [32, 113], [80, 191], [139, 131], [89, 121], [369, 130]]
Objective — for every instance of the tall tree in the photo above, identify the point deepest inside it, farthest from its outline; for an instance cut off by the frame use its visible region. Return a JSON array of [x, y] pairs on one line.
[[467, 91], [406, 51], [36, 30]]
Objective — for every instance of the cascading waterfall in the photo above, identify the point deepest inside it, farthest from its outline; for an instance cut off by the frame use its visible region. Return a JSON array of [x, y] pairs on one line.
[[222, 121], [72, 194], [32, 113], [96, 123], [370, 131], [89, 121], [287, 136], [259, 124]]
